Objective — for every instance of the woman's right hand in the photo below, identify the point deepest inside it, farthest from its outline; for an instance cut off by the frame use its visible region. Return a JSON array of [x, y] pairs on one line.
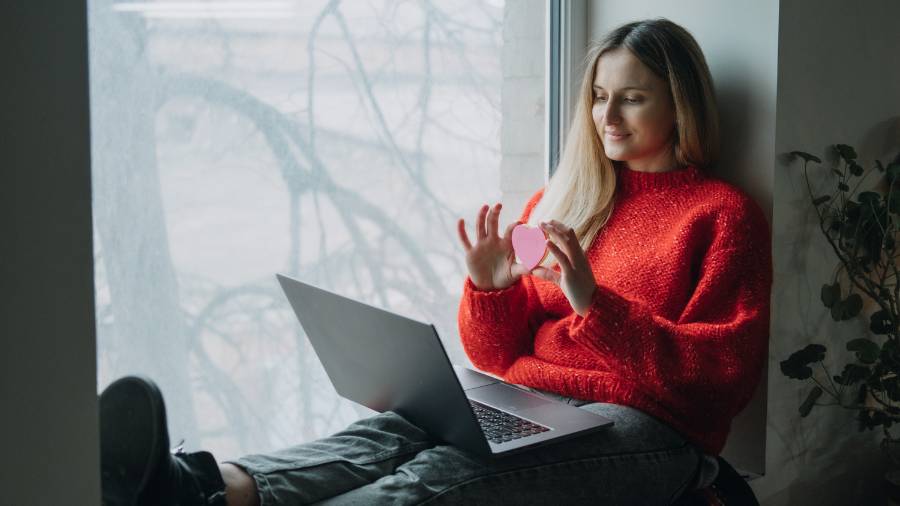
[[491, 261]]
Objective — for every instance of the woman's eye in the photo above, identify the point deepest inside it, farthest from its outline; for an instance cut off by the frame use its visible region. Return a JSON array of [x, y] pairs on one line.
[[633, 100]]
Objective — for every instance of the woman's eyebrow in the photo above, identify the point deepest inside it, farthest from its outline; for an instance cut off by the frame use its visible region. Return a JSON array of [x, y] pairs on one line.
[[598, 87]]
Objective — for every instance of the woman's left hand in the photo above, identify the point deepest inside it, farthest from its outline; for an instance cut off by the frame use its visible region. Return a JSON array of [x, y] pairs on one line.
[[576, 278]]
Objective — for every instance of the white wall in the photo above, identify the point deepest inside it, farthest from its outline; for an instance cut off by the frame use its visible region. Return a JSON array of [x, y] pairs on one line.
[[739, 40]]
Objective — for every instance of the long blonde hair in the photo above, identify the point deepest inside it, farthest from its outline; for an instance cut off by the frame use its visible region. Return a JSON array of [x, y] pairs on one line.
[[581, 193]]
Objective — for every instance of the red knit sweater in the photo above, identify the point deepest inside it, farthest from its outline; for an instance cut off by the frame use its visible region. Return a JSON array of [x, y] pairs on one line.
[[678, 326]]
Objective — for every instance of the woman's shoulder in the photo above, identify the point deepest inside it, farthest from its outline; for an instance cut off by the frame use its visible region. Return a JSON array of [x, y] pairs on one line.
[[720, 196], [730, 210]]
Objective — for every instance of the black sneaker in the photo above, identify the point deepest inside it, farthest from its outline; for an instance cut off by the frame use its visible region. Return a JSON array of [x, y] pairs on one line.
[[137, 466]]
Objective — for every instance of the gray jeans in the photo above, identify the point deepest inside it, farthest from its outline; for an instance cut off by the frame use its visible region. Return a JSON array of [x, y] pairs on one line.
[[385, 459]]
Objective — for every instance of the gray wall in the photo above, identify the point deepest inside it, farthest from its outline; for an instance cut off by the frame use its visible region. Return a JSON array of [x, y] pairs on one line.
[[739, 40], [48, 381], [838, 82]]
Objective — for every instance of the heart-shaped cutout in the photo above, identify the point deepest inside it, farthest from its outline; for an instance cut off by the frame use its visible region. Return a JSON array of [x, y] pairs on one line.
[[529, 244]]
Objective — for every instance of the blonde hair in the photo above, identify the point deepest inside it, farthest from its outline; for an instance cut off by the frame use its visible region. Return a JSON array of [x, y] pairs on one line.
[[581, 193]]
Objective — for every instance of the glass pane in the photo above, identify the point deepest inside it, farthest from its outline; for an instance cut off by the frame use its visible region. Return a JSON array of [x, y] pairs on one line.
[[336, 142]]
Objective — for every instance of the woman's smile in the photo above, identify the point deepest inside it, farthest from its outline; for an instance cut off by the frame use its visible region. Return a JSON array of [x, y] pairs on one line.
[[616, 137]]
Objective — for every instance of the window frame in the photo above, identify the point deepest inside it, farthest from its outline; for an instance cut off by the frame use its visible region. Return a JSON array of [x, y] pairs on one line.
[[566, 46]]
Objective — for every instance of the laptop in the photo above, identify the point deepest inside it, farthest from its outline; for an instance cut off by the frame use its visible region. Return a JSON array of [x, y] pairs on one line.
[[388, 362]]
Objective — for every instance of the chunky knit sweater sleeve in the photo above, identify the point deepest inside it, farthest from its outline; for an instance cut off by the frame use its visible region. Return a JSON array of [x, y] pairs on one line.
[[497, 326], [716, 348]]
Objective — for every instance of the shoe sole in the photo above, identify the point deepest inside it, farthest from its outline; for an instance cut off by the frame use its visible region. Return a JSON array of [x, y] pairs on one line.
[[133, 438]]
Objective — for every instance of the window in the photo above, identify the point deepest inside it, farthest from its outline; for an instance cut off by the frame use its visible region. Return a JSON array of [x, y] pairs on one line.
[[337, 142]]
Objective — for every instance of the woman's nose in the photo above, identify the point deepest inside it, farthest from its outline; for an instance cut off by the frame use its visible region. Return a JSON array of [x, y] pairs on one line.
[[612, 113]]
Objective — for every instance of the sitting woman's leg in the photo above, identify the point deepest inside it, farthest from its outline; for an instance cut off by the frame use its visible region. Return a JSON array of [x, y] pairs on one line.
[[386, 460], [364, 452], [638, 460], [139, 470]]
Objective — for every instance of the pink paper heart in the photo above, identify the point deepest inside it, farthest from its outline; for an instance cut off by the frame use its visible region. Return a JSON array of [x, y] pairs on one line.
[[529, 244]]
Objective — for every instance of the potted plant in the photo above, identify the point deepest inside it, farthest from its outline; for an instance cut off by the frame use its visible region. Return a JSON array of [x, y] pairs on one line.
[[861, 228]]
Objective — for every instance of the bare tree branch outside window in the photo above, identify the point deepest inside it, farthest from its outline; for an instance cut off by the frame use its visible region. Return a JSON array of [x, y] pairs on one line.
[[335, 141]]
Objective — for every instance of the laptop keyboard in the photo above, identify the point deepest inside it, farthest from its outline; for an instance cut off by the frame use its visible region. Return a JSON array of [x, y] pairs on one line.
[[501, 427]]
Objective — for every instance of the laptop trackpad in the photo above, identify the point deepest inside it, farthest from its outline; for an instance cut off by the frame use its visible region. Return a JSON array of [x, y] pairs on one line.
[[472, 379], [508, 398]]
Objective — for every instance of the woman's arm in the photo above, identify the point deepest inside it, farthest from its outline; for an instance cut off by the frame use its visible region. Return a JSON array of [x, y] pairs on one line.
[[716, 349], [498, 326]]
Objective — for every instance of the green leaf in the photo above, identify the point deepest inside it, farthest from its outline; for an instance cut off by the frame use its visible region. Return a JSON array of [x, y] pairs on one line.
[[821, 200], [866, 350], [894, 202], [846, 152], [852, 306], [890, 354], [806, 156], [837, 311], [848, 231], [831, 294], [852, 373], [869, 199], [892, 387], [810, 401], [856, 169], [892, 171], [880, 322], [797, 365], [843, 187]]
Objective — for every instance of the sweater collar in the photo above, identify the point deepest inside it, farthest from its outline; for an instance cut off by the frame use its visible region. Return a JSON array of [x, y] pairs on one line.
[[632, 181]]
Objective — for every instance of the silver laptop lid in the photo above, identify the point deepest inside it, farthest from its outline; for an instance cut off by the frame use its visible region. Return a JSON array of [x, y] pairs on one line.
[[386, 362]]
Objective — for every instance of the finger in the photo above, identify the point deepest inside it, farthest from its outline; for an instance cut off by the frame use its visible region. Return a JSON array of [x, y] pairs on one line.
[[559, 238], [561, 257], [480, 232], [463, 237], [507, 236], [546, 274], [566, 232], [493, 223]]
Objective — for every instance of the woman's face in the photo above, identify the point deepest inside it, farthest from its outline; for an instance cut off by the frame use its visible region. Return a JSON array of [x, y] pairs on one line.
[[632, 101]]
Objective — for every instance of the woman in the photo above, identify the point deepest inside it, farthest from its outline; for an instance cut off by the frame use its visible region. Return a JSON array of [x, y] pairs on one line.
[[652, 310]]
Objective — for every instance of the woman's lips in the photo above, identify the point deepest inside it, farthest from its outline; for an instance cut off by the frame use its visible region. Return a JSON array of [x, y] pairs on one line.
[[616, 137]]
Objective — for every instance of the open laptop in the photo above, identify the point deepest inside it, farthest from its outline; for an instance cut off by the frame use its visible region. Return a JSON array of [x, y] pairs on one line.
[[392, 363]]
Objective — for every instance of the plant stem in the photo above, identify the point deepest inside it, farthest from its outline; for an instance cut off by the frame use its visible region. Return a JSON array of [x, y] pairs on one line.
[[840, 393], [837, 250]]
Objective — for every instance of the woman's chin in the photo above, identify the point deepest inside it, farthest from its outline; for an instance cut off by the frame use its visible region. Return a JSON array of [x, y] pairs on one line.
[[616, 157]]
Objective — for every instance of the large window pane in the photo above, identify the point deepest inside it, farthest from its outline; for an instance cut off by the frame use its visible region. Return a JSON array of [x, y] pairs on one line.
[[337, 142]]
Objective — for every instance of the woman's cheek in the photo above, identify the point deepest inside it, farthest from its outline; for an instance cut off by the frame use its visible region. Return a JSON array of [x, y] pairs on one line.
[[597, 114]]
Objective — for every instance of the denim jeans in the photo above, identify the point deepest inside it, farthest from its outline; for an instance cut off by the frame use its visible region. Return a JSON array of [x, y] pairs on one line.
[[385, 459]]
